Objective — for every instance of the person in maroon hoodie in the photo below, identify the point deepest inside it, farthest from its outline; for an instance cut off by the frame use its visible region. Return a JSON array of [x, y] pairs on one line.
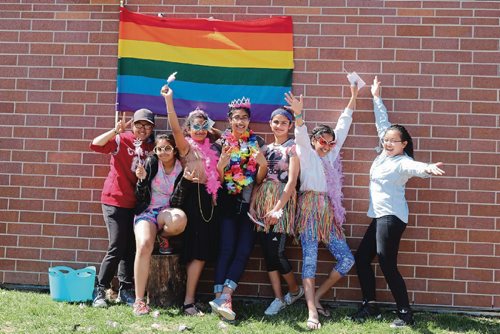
[[127, 150]]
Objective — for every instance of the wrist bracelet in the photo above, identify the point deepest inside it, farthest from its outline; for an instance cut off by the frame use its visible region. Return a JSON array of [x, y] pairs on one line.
[[116, 132], [298, 116]]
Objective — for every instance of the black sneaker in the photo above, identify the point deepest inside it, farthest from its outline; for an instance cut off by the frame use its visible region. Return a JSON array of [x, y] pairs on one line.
[[405, 318], [99, 297], [366, 311], [126, 296]]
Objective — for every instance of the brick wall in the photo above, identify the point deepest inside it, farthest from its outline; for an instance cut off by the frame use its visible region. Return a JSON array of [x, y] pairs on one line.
[[439, 64]]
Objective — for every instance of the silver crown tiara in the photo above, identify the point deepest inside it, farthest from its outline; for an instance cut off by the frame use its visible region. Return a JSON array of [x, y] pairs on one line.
[[240, 103]]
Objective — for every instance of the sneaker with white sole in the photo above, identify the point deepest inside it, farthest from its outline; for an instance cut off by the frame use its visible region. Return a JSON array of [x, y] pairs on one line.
[[226, 310], [275, 307], [140, 308], [126, 296], [99, 297], [292, 298]]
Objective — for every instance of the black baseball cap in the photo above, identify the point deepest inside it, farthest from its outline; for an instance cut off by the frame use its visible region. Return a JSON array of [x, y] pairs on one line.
[[144, 115]]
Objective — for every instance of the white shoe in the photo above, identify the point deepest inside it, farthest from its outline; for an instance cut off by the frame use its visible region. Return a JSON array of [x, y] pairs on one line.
[[276, 306], [290, 299]]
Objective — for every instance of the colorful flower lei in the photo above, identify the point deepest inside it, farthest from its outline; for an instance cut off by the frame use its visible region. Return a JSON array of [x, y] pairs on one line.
[[242, 165], [211, 158]]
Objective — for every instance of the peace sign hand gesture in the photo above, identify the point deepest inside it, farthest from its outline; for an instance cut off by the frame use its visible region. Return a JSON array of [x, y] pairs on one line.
[[122, 124]]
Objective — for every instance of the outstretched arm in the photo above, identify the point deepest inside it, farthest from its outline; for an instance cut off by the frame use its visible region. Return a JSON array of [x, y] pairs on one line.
[[381, 119], [180, 141]]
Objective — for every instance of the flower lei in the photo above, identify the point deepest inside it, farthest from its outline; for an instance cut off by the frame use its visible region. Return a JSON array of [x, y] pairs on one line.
[[242, 164], [211, 159]]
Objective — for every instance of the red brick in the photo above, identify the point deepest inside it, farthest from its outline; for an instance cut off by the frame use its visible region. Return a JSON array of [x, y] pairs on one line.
[[485, 184], [478, 95], [414, 30], [60, 230], [476, 197], [18, 277], [433, 298], [61, 206], [36, 217], [24, 229], [35, 241], [22, 204], [58, 255], [72, 219], [472, 248], [465, 274], [448, 235], [23, 253], [448, 260], [486, 262], [482, 288], [434, 272], [434, 247], [481, 223], [485, 236], [472, 300], [70, 243], [448, 286]]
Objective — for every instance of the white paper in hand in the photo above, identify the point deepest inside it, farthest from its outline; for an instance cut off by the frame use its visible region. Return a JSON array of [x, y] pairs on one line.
[[355, 80], [255, 220]]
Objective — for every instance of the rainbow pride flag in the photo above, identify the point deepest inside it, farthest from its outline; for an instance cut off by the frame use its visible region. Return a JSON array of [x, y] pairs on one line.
[[216, 62]]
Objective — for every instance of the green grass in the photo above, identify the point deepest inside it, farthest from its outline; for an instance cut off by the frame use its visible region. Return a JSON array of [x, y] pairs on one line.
[[30, 312]]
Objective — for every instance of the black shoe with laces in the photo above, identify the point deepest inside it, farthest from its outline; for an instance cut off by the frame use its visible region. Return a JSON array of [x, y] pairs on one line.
[[405, 318], [366, 311], [99, 297]]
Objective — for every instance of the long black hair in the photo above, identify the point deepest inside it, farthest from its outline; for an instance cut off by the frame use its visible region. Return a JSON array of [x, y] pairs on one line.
[[405, 136]]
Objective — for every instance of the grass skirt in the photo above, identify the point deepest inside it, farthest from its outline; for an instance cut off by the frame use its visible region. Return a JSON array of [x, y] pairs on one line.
[[267, 196], [315, 217]]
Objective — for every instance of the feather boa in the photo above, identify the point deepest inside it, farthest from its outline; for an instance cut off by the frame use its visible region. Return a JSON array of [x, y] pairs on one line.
[[211, 159], [334, 181]]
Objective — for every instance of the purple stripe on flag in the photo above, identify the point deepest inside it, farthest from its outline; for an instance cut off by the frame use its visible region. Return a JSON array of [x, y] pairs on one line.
[[216, 111]]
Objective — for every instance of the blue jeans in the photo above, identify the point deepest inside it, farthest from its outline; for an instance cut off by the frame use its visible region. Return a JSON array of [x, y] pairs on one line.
[[337, 247], [237, 236]]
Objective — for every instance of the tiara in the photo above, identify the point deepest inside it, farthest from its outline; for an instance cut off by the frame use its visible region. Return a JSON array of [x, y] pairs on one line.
[[240, 103]]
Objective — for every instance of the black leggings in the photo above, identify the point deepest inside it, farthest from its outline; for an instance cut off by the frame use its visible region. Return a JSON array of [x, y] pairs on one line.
[[382, 239], [273, 247]]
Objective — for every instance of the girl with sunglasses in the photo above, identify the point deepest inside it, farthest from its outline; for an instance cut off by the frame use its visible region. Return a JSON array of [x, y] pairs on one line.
[[274, 204], [154, 216], [201, 181], [241, 162], [320, 213], [389, 173]]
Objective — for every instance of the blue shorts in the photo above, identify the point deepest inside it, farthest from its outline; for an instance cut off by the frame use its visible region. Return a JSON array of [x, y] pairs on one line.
[[149, 215]]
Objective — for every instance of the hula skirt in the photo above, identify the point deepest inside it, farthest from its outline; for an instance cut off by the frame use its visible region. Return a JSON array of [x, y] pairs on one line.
[[267, 195], [315, 217]]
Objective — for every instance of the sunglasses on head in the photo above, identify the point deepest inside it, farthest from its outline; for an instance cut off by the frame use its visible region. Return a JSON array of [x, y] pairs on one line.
[[324, 142], [166, 149], [198, 127]]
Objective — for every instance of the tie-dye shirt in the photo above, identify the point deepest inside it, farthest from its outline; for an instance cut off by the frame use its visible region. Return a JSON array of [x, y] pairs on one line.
[[162, 186]]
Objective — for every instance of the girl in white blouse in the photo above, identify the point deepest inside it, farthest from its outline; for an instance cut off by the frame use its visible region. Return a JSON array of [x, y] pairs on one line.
[[388, 176], [320, 213]]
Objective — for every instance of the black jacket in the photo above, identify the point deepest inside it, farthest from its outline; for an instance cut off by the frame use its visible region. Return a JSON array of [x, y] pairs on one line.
[[143, 187]]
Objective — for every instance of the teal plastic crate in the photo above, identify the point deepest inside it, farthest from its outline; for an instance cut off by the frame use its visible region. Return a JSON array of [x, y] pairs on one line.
[[70, 285]]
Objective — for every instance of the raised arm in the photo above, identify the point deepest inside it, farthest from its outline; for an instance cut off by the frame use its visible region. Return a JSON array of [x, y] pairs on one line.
[[381, 119], [120, 127], [180, 141], [344, 121]]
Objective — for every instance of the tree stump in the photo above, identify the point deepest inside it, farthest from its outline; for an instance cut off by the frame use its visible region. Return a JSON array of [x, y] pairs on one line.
[[167, 281]]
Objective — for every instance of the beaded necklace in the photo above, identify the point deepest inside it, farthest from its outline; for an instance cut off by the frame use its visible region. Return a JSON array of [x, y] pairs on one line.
[[242, 164]]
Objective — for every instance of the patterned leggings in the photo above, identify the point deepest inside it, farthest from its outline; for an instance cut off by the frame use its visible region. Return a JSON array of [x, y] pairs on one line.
[[338, 248]]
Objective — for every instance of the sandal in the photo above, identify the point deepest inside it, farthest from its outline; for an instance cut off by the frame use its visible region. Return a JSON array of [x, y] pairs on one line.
[[313, 324], [323, 311], [196, 311]]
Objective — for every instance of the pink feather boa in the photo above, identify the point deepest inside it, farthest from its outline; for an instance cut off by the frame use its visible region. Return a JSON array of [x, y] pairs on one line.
[[211, 160], [334, 181]]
